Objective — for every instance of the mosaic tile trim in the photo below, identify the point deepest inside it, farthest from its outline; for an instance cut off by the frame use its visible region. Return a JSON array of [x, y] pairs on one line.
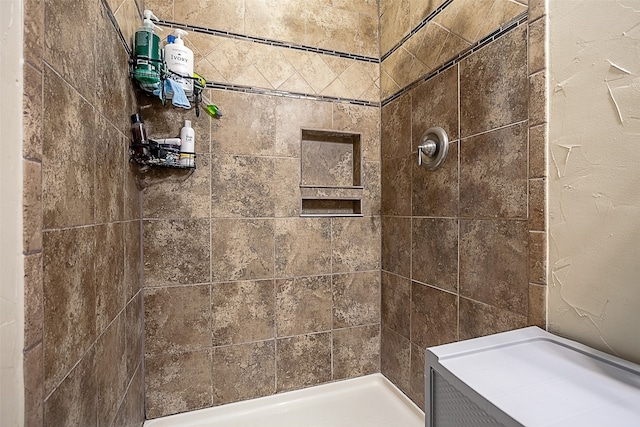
[[170, 24], [286, 94], [504, 29], [417, 28]]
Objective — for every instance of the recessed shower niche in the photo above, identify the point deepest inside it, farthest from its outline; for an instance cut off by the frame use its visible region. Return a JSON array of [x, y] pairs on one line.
[[330, 173]]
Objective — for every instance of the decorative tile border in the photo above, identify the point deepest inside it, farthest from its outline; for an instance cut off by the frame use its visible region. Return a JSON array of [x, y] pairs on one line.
[[504, 29], [236, 36], [417, 28], [286, 94]]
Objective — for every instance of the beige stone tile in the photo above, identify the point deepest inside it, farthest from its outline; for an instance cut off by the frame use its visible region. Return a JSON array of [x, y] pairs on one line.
[[32, 106], [109, 273], [228, 59], [372, 94], [303, 246], [297, 84], [537, 257], [243, 312], [67, 166], [537, 99], [279, 20], [396, 186], [434, 316], [271, 64], [395, 298], [176, 252], [33, 387], [493, 174], [75, 400], [209, 72], [495, 252], [131, 412], [317, 73], [303, 361], [538, 152], [163, 9], [68, 259], [395, 358], [452, 46], [337, 89], [331, 28], [286, 184], [72, 56], [242, 186], [294, 114], [242, 249], [478, 319], [465, 18], [537, 205], [427, 44], [360, 119], [33, 299], [215, 14], [500, 69], [396, 245], [111, 371], [416, 376], [435, 103], [366, 7], [128, 20], [399, 67], [420, 9], [178, 194], [537, 306], [33, 32], [356, 299], [371, 200], [177, 319], [203, 43], [248, 125], [303, 305], [396, 129], [367, 38], [178, 383], [355, 244], [501, 12], [134, 334], [250, 76], [394, 22], [356, 351], [244, 371], [537, 9], [31, 206], [435, 193], [435, 240], [132, 258], [388, 86], [109, 173], [337, 64]]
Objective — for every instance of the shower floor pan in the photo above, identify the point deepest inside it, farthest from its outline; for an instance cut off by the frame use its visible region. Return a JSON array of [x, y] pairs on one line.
[[370, 401]]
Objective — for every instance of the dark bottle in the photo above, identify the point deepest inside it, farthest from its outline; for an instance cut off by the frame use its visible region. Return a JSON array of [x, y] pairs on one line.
[[139, 141]]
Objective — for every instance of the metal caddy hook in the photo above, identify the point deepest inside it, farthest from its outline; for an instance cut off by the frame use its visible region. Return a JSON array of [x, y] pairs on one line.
[[433, 148]]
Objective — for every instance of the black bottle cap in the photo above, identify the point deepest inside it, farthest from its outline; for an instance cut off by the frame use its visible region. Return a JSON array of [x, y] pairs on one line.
[[136, 118]]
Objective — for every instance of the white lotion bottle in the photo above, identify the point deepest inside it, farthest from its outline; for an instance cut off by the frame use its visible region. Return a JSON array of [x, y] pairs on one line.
[[179, 59], [188, 146]]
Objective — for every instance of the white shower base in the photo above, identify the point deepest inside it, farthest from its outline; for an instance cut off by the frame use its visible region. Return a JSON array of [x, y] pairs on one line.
[[370, 401]]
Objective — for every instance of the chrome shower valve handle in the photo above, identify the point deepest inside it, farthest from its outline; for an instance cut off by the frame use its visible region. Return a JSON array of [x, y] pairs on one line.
[[433, 148]]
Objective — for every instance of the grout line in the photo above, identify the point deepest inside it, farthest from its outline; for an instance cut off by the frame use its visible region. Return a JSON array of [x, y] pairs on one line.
[[503, 30]]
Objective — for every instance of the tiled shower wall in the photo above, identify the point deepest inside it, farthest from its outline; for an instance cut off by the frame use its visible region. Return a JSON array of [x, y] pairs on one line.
[[243, 297], [463, 247], [83, 297]]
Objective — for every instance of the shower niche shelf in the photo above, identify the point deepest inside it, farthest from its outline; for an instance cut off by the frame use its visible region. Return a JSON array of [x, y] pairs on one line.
[[331, 173]]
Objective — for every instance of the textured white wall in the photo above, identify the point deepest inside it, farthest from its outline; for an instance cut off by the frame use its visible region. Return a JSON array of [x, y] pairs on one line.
[[594, 173], [11, 270]]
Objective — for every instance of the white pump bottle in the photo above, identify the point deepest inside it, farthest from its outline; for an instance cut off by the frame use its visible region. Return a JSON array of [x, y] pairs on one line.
[[179, 59]]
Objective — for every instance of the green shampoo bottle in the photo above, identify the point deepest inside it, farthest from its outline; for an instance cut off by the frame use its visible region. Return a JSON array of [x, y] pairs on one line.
[[148, 54]]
